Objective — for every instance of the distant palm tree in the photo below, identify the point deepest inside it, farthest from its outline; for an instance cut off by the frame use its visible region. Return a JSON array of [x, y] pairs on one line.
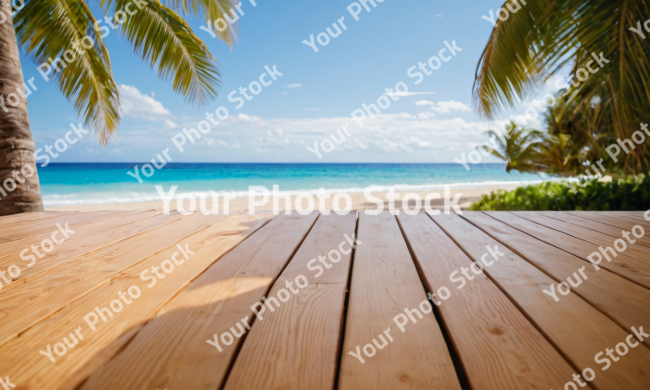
[[609, 61], [557, 155], [518, 148], [54, 28]]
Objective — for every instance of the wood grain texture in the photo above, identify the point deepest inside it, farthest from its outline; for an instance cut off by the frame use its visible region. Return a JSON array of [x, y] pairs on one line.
[[34, 299], [327, 234], [49, 225], [623, 265], [28, 217], [634, 249], [576, 328], [10, 252], [617, 219], [497, 345], [25, 223], [384, 283], [216, 301], [34, 371], [297, 346], [48, 220], [69, 251], [610, 230], [641, 216], [622, 300], [627, 218]]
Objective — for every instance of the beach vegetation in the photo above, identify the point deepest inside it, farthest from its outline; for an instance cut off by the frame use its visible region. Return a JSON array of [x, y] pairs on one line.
[[601, 45], [517, 147], [627, 193]]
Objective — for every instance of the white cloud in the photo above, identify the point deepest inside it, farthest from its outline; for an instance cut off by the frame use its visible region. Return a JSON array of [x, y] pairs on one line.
[[395, 133], [283, 93], [448, 107], [406, 94], [386, 137], [296, 85], [283, 143], [134, 104], [424, 103], [438, 16], [170, 124], [418, 143], [243, 118]]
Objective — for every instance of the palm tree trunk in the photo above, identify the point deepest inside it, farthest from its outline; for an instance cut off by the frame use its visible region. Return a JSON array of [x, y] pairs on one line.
[[20, 190]]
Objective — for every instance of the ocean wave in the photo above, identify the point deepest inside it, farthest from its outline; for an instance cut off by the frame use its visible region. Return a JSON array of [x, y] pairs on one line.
[[90, 198]]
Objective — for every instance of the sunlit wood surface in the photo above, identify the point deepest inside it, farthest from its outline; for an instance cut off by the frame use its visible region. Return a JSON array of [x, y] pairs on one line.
[[499, 330]]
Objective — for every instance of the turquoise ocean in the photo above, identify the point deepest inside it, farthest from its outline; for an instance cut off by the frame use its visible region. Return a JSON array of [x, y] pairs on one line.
[[69, 184]]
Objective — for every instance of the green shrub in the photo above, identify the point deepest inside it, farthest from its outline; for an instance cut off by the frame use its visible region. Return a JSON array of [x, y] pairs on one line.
[[630, 193]]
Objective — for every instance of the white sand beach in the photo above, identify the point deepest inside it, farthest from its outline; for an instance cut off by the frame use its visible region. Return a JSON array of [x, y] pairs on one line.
[[359, 202]]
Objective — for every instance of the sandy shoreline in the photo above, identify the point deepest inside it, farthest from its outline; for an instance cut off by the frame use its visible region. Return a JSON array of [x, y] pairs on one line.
[[359, 202]]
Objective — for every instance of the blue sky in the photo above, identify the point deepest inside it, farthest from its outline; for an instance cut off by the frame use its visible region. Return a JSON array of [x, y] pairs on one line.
[[312, 100]]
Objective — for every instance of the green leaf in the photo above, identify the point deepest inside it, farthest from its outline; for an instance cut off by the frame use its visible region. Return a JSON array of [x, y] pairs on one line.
[[539, 40], [166, 42], [48, 29]]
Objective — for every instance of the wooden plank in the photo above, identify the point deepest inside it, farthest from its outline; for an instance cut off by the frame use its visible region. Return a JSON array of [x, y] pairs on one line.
[[308, 327], [69, 250], [216, 301], [630, 217], [384, 283], [15, 247], [31, 222], [630, 268], [593, 225], [623, 301], [25, 217], [611, 218], [29, 369], [639, 215], [36, 298], [576, 328], [49, 226], [497, 346], [50, 218], [633, 250]]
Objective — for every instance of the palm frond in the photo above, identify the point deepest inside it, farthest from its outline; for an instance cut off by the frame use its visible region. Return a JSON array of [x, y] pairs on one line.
[[536, 42], [52, 29], [493, 152], [545, 36], [508, 65], [165, 41], [211, 10], [518, 148]]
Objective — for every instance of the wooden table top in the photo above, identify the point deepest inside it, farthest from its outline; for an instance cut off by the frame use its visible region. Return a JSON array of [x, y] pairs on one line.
[[482, 300]]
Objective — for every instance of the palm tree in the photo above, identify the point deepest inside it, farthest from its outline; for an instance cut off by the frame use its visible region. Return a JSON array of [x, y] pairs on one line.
[[518, 148], [52, 29], [608, 61], [558, 155], [16, 144]]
